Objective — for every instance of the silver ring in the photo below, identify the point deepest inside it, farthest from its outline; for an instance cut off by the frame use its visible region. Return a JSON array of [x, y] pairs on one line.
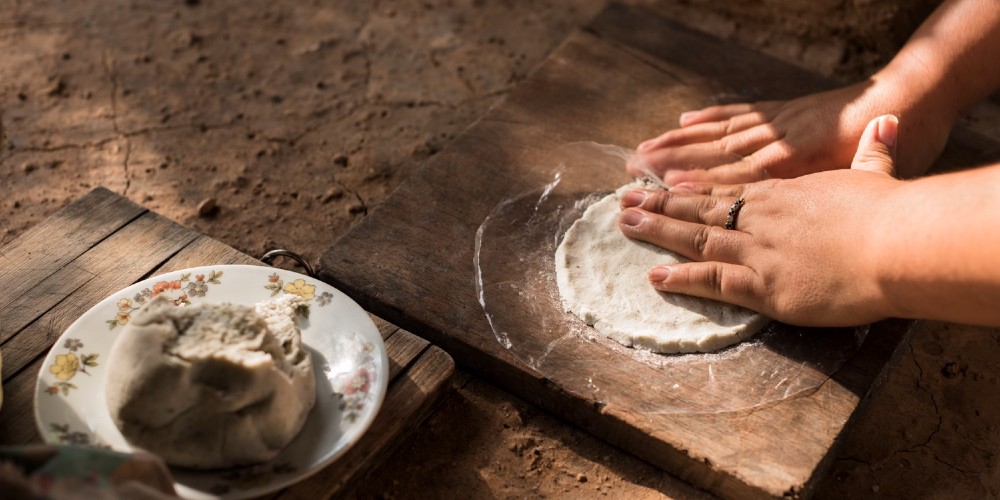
[[734, 211]]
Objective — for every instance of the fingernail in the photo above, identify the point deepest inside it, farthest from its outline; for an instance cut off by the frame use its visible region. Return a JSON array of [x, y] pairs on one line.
[[687, 116], [633, 198], [644, 145], [658, 274], [632, 218], [888, 126]]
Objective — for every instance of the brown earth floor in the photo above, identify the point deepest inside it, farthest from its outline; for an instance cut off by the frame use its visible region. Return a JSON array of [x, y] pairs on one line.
[[295, 118]]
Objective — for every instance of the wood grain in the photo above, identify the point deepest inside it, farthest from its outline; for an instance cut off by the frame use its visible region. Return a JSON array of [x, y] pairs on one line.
[[101, 233], [623, 79], [36, 254], [77, 286]]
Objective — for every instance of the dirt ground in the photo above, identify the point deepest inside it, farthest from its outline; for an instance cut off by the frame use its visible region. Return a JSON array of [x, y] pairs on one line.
[[267, 124]]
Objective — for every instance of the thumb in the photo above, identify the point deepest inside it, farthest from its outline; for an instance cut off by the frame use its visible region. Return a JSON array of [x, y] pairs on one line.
[[877, 148]]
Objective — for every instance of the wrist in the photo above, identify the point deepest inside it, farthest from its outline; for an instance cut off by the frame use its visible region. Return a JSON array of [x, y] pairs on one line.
[[889, 252], [914, 92]]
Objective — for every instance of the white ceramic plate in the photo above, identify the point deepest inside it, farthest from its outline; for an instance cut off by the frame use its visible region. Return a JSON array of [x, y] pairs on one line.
[[352, 372]]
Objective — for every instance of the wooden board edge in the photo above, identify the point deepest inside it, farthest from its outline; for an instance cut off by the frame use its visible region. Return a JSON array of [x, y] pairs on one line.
[[431, 373], [876, 387]]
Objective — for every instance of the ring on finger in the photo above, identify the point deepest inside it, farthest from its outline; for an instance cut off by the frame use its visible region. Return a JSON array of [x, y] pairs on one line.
[[734, 212]]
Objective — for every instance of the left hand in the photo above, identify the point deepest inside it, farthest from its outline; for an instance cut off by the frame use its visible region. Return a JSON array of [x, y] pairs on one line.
[[800, 250]]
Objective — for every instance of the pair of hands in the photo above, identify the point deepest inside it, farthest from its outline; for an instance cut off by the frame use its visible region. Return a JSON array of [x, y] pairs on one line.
[[798, 252]]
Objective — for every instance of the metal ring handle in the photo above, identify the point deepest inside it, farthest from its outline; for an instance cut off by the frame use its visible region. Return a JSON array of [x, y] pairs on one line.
[[269, 256]]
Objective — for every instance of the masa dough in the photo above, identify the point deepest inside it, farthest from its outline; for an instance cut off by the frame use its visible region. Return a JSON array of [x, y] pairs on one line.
[[602, 278], [211, 385]]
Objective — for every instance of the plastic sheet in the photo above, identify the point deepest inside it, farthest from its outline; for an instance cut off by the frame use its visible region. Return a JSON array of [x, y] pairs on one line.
[[515, 280]]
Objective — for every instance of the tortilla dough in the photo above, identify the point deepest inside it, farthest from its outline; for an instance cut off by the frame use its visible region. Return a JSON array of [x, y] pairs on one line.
[[602, 278], [211, 385]]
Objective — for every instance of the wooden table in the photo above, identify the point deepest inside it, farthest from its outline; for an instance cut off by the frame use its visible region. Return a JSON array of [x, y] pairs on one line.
[[102, 243], [624, 78]]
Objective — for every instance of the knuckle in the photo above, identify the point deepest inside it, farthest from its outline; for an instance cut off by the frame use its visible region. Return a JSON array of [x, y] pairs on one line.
[[710, 240], [705, 209], [701, 237], [713, 278], [730, 125], [659, 202], [723, 144]]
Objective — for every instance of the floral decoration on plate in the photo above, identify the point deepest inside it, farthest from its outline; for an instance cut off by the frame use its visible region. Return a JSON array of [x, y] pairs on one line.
[[178, 291], [67, 365], [348, 354]]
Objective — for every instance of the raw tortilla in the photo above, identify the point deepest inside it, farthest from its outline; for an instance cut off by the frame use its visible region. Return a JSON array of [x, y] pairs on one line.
[[602, 277]]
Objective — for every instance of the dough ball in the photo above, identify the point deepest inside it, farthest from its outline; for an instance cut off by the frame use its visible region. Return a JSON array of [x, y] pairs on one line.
[[211, 385], [602, 278]]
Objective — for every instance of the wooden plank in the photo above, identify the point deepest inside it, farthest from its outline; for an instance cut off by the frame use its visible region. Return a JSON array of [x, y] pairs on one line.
[[410, 261], [403, 347], [407, 403], [385, 328], [205, 251], [29, 264], [86, 222], [17, 419], [106, 268]]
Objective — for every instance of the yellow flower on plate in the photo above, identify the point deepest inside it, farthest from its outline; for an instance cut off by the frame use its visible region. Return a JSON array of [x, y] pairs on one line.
[[300, 288], [65, 366], [122, 317]]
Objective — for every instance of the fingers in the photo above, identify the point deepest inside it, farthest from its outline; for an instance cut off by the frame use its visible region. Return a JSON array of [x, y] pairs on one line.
[[709, 188], [731, 148], [706, 132], [692, 240], [708, 210], [711, 137], [877, 147], [661, 160], [720, 281], [752, 168], [723, 112], [739, 172]]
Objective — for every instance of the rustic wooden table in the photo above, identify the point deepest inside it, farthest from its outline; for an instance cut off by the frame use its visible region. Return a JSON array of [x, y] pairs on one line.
[[102, 243]]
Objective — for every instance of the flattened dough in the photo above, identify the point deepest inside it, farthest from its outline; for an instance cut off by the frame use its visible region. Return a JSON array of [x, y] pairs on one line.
[[602, 277]]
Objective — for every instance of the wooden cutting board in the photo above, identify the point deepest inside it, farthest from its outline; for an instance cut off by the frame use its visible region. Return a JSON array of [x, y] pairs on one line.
[[624, 78]]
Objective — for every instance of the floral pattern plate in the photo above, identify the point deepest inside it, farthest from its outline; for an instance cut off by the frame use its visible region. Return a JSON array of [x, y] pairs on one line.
[[352, 372]]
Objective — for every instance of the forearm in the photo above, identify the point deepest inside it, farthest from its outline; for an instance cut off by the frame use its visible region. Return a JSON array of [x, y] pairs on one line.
[[937, 245], [955, 53], [949, 64]]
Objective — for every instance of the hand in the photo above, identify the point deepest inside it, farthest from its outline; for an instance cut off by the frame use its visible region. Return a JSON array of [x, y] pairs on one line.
[[798, 251], [740, 143]]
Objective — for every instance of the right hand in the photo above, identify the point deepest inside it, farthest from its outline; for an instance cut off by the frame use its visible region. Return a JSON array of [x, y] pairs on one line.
[[803, 251]]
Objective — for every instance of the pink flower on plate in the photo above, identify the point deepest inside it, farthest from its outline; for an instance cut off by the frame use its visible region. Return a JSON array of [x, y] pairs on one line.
[[360, 383]]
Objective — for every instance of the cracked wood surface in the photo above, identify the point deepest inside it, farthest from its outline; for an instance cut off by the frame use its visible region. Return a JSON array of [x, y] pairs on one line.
[[594, 87], [102, 243]]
